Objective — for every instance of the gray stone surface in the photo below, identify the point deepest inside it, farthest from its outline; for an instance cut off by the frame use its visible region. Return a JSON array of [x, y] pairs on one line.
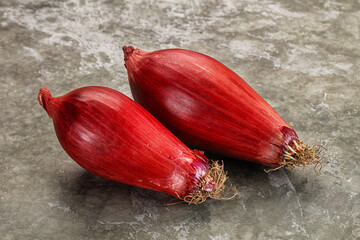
[[302, 56]]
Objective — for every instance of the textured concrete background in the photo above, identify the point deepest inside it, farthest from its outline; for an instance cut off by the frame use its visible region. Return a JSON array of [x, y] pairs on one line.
[[302, 56]]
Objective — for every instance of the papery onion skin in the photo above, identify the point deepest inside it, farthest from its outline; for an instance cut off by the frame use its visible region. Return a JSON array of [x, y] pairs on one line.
[[112, 136], [207, 105]]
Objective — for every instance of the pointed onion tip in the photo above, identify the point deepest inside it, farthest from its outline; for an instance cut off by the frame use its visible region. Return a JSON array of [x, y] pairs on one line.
[[127, 52], [44, 97]]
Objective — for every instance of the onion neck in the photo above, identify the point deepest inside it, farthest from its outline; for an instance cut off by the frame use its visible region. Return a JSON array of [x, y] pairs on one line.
[[128, 50], [131, 54], [44, 99]]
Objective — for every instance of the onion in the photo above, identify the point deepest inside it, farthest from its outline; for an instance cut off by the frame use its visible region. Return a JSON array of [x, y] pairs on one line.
[[112, 136], [211, 108]]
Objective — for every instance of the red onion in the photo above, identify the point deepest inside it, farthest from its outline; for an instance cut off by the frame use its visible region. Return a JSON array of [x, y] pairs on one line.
[[211, 108], [112, 136]]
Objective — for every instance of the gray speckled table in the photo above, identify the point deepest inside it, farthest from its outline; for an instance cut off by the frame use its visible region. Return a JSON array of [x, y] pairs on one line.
[[303, 57]]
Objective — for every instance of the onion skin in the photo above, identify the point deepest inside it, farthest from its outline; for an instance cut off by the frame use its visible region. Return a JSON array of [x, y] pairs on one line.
[[207, 105], [112, 136]]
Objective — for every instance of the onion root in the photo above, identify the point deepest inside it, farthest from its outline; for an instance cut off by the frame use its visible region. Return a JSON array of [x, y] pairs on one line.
[[299, 154]]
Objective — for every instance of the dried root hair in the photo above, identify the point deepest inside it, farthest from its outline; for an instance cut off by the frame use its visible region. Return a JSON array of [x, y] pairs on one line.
[[219, 176], [302, 155]]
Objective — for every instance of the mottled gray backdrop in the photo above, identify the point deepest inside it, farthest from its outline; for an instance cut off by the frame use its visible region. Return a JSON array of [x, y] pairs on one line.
[[302, 56]]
